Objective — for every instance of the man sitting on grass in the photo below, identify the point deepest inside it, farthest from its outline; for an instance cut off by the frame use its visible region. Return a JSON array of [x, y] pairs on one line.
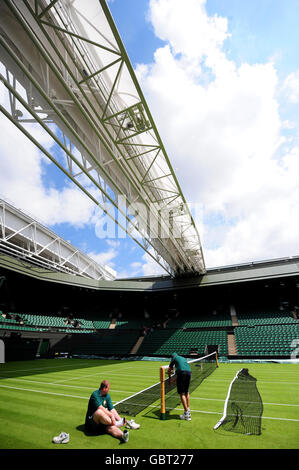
[[102, 417]]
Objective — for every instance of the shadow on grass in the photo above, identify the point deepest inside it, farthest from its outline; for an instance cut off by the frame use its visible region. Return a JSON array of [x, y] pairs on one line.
[[45, 366], [156, 414], [82, 429]]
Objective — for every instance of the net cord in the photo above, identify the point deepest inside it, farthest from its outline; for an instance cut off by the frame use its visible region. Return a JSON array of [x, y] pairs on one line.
[[226, 401], [199, 359]]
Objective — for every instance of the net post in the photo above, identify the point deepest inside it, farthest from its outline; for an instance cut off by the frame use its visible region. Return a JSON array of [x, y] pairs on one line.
[[217, 363], [162, 381]]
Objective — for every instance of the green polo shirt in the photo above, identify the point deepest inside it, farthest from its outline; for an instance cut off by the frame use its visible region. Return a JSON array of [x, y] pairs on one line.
[[96, 400], [180, 363]]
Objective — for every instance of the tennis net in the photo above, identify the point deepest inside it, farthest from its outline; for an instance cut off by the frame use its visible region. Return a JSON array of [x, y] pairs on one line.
[[165, 390], [139, 401], [243, 406]]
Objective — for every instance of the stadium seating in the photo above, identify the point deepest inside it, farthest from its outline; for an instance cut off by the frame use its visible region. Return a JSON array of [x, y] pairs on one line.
[[101, 324], [272, 340], [11, 327], [260, 317], [161, 341], [202, 321], [259, 333], [107, 343], [131, 324], [7, 321], [37, 322], [166, 341], [12, 324], [44, 320]]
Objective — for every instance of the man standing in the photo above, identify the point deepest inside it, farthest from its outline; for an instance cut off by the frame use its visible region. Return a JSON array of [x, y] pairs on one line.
[[183, 372], [102, 417]]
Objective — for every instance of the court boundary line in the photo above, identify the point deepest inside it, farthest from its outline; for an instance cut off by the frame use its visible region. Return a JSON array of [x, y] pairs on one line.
[[151, 406]]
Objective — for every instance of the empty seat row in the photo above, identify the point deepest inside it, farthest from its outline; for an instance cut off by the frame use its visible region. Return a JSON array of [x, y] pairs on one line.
[[271, 339], [182, 342], [261, 317]]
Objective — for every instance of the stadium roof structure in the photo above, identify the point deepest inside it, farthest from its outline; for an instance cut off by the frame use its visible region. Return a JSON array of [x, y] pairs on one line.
[[67, 72], [24, 238], [277, 270]]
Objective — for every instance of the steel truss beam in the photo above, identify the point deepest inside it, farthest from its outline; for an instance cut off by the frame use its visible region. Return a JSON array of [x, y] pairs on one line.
[[76, 76], [27, 239]]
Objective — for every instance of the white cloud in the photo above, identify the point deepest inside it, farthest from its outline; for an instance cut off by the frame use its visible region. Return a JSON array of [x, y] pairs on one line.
[[136, 269], [291, 87], [22, 169], [150, 267], [105, 257], [224, 134], [113, 243], [187, 27]]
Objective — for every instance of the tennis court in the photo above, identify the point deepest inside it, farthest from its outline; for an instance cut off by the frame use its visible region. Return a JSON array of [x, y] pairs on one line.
[[39, 399]]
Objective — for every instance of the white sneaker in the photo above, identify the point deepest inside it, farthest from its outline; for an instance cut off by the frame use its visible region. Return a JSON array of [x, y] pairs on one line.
[[121, 422], [132, 425], [186, 416], [63, 438], [125, 436]]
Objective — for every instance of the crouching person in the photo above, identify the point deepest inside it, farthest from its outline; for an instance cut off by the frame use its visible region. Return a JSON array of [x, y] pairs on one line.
[[102, 417]]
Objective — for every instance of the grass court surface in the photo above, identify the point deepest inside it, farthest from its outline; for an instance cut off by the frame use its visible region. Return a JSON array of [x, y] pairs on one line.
[[39, 399]]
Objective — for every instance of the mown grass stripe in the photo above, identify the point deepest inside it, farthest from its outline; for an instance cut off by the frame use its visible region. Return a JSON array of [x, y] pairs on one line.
[[86, 398], [45, 410], [42, 391]]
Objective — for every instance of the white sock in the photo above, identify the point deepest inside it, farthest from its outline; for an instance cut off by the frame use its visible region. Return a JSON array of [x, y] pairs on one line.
[[119, 423]]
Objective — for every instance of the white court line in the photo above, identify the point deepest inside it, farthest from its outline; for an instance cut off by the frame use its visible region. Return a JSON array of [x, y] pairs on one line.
[[46, 393], [43, 368], [133, 392], [259, 382], [151, 406], [74, 378], [32, 369], [218, 413], [243, 401], [249, 416], [155, 377], [104, 373], [65, 385], [92, 375], [111, 373], [117, 373]]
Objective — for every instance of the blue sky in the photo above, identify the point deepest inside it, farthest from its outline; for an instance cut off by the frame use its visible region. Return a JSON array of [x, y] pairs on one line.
[[259, 29], [221, 79]]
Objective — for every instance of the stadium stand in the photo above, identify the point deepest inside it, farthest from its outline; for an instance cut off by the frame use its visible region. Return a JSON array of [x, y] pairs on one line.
[[260, 333], [166, 341], [202, 321], [269, 340], [241, 320], [265, 317], [101, 324], [106, 343], [132, 324]]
